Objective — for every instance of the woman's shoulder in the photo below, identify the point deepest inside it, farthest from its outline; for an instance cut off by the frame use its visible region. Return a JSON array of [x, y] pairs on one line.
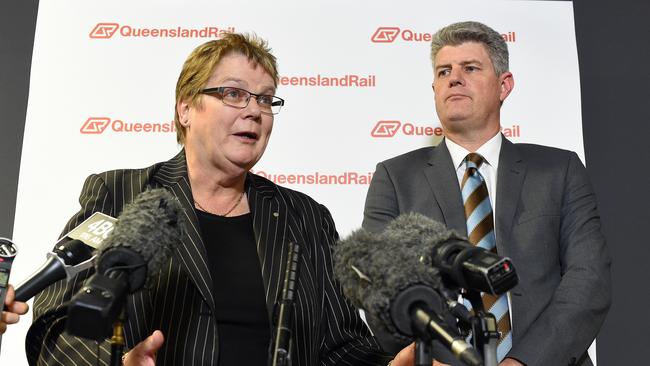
[[297, 199]]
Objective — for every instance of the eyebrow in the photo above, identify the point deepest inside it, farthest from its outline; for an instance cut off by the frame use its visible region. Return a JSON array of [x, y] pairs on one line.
[[462, 63], [267, 89], [233, 79]]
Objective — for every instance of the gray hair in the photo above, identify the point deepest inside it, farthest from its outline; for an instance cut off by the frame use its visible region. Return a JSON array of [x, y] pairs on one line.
[[458, 33]]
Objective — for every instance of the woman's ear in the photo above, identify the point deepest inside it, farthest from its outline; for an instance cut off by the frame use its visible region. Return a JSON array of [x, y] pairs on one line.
[[183, 110]]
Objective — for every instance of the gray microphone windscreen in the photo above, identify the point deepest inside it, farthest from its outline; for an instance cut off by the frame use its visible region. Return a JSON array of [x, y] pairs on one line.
[[414, 228], [418, 233], [374, 268], [150, 226]]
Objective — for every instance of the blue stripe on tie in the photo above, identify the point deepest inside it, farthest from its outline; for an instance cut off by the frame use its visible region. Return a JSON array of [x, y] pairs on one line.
[[488, 242], [483, 209], [471, 164], [504, 347], [470, 186], [500, 307]]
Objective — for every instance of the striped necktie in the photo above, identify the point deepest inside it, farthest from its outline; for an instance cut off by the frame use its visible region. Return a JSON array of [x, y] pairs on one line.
[[480, 229]]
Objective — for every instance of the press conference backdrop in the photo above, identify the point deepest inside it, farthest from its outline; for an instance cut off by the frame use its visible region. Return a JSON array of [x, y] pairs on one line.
[[356, 78]]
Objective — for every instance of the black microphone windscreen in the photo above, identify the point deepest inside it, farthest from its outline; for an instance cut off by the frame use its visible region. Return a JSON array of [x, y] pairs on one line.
[[151, 226]]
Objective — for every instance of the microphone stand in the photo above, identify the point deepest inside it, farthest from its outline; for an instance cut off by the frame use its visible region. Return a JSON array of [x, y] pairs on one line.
[[418, 312], [117, 340], [280, 352], [423, 356], [484, 329]]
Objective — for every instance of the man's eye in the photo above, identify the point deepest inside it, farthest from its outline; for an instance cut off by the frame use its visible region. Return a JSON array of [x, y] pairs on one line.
[[471, 68], [443, 72]]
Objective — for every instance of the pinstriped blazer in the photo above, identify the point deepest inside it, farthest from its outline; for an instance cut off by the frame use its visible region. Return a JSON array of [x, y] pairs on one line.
[[327, 329]]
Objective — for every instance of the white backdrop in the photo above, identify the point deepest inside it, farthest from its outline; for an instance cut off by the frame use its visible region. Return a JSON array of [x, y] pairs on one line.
[[103, 70]]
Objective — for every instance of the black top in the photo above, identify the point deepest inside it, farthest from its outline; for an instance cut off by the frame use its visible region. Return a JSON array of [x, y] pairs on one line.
[[242, 318]]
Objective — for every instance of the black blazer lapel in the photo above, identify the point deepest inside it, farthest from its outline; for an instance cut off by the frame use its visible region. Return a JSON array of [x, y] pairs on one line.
[[191, 251], [275, 224], [441, 175], [510, 179]]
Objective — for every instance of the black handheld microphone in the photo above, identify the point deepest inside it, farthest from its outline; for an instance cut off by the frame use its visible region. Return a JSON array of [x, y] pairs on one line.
[[143, 240], [281, 353], [461, 263], [71, 255], [382, 274]]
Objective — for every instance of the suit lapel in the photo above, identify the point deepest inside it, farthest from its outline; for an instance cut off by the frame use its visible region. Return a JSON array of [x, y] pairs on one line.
[[441, 175], [192, 255], [510, 179], [275, 224]]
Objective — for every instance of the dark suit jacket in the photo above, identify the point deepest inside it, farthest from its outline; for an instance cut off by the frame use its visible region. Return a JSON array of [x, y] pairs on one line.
[[546, 222], [327, 330]]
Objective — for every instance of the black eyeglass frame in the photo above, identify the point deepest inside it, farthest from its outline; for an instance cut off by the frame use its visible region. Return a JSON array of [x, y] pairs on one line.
[[219, 91]]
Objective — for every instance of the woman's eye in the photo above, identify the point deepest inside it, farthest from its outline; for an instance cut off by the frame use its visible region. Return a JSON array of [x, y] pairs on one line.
[[232, 93], [265, 99]]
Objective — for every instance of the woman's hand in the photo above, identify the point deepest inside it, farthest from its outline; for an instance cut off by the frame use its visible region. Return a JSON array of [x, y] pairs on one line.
[[144, 353], [406, 357]]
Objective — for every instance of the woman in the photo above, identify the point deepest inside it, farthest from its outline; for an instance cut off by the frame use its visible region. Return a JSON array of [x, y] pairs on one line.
[[213, 303]]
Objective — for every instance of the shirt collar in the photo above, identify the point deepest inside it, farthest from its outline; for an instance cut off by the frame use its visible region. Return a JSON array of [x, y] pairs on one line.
[[489, 150]]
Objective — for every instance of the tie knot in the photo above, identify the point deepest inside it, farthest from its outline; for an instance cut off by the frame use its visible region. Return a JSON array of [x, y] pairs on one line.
[[474, 160]]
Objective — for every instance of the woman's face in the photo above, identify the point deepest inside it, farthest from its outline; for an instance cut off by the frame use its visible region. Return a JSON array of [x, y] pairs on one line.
[[223, 136]]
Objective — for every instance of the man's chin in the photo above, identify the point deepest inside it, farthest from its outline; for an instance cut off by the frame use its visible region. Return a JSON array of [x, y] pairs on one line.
[[455, 121]]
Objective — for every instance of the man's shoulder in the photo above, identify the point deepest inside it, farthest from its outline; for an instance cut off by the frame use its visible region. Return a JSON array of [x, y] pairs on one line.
[[540, 149], [407, 159], [543, 154]]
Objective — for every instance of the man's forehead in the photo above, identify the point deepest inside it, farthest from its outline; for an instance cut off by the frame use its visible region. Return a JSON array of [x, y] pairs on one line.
[[462, 53]]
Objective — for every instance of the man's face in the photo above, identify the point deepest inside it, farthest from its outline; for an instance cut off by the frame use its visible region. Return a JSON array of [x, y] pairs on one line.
[[228, 137], [468, 93]]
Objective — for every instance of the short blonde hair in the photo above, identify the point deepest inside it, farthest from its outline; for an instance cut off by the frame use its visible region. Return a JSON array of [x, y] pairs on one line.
[[200, 65]]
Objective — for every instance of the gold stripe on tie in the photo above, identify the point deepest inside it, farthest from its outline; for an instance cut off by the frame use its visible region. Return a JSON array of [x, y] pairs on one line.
[[488, 301], [503, 326]]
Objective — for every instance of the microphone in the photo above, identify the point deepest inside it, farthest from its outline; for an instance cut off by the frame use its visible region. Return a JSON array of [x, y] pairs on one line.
[[144, 237], [382, 274], [71, 255], [281, 354], [461, 263]]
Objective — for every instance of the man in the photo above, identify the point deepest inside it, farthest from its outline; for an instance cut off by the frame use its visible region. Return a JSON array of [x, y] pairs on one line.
[[540, 208]]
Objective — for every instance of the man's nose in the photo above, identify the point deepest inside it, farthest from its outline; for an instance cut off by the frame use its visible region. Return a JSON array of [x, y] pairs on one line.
[[456, 77]]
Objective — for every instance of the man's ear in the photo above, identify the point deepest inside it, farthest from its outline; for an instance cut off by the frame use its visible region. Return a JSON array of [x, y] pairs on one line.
[[507, 84]]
